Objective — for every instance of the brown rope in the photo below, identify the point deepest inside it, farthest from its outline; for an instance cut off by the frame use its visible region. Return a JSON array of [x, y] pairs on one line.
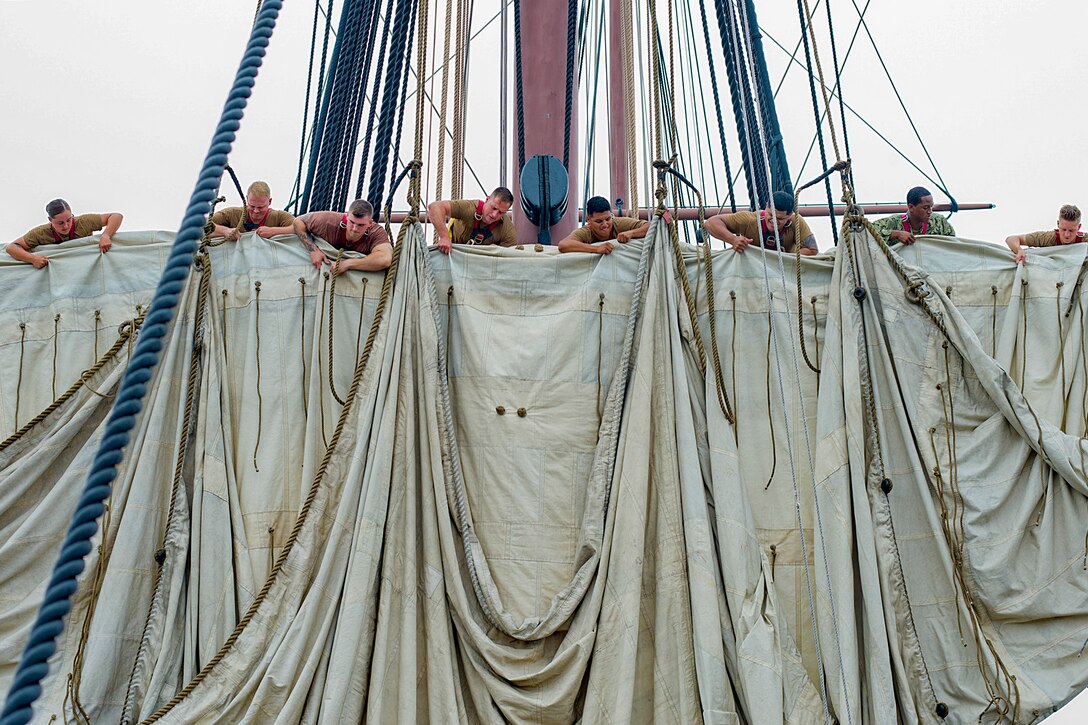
[[770, 410], [449, 324], [362, 311], [19, 381], [315, 486], [302, 341], [332, 328], [320, 329], [600, 352], [260, 399], [801, 314], [125, 334], [56, 335], [993, 324], [733, 360], [97, 324], [226, 361]]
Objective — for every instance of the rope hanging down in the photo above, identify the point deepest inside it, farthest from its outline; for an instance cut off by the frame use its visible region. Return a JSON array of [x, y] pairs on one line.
[[33, 665]]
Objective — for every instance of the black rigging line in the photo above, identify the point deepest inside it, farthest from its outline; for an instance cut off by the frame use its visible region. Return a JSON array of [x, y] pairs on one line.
[[816, 114]]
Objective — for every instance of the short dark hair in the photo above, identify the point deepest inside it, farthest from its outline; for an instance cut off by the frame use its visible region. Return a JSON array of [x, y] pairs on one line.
[[503, 194], [361, 208], [56, 207], [783, 201], [915, 195], [597, 204]]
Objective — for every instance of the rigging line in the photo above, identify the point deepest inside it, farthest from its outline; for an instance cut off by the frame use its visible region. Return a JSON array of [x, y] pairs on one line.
[[401, 111], [439, 68], [504, 73], [717, 106], [699, 99], [593, 114], [808, 450], [838, 83], [306, 104], [380, 87], [572, 38], [392, 110], [689, 44], [806, 24], [870, 126], [834, 93], [902, 104], [445, 94], [793, 56], [519, 88]]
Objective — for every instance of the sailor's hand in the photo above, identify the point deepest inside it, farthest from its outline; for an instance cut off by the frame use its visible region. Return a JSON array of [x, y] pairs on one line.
[[233, 235], [603, 248], [265, 232], [318, 258], [623, 237], [901, 235], [445, 246], [39, 261], [741, 243], [105, 243], [1021, 257]]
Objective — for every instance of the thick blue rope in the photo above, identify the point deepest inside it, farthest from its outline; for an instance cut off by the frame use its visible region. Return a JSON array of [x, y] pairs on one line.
[[33, 666]]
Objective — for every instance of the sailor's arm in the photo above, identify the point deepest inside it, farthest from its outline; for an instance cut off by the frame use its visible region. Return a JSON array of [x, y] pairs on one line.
[[379, 258], [1015, 244], [111, 222], [570, 244], [717, 228], [317, 257], [438, 214], [18, 250], [637, 233]]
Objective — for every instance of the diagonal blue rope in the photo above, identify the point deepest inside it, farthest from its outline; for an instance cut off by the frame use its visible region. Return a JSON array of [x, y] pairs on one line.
[[33, 666]]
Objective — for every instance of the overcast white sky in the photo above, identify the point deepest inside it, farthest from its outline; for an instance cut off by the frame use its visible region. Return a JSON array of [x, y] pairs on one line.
[[111, 105]]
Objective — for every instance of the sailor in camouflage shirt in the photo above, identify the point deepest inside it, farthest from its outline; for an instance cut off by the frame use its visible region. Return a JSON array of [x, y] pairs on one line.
[[919, 219]]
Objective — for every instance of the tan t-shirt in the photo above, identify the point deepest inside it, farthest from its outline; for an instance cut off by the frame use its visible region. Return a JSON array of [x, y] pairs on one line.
[[619, 224], [232, 215], [85, 226], [332, 227], [1047, 239], [466, 229], [749, 224]]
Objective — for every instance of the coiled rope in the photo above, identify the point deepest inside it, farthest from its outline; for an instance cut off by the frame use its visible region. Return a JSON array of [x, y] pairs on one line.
[[41, 645]]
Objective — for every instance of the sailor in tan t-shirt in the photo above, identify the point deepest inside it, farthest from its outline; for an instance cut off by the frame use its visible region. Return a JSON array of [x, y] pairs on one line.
[[355, 230], [740, 229], [257, 215], [473, 222], [64, 226], [1068, 232], [601, 228]]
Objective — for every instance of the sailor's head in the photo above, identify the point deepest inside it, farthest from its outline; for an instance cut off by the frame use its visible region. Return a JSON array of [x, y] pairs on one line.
[[783, 210], [919, 205], [60, 216], [1068, 224], [359, 217], [496, 205], [258, 200], [599, 217]]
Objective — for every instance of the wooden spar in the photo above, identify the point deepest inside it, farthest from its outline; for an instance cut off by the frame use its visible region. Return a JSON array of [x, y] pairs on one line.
[[617, 119], [688, 212], [544, 68]]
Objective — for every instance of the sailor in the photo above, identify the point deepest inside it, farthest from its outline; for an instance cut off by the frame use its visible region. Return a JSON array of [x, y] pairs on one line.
[[355, 230], [257, 215], [919, 219], [473, 221], [742, 228], [1067, 232], [64, 226], [601, 228]]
